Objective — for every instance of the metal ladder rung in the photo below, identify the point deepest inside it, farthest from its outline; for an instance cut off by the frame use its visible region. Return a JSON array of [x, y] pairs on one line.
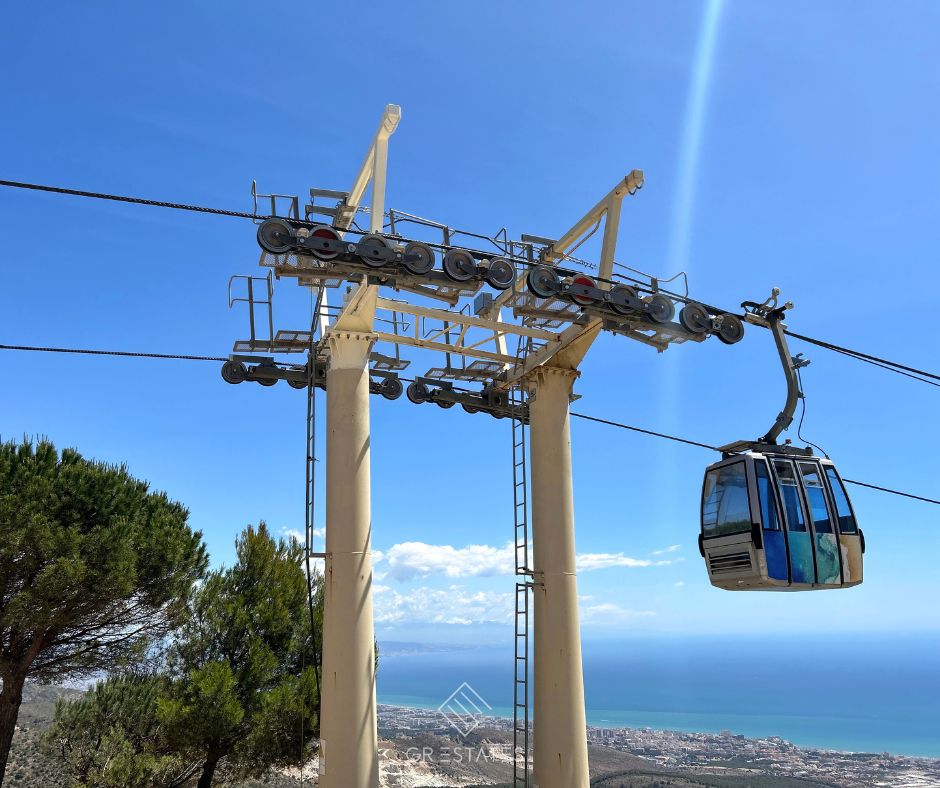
[[521, 736]]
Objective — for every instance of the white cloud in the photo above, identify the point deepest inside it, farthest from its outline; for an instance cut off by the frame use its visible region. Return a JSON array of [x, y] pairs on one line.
[[453, 605], [673, 548], [409, 560], [298, 535], [609, 613], [462, 606], [679, 583], [588, 562]]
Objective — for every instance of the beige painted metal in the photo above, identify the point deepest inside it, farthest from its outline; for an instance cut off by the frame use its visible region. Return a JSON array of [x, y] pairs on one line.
[[349, 740], [572, 343], [373, 169], [452, 337], [608, 207], [560, 757], [457, 318]]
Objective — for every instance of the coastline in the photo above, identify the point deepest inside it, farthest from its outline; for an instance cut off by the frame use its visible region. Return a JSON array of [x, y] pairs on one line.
[[752, 727]]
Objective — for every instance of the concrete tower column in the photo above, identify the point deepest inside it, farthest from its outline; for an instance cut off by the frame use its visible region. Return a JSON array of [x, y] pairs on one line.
[[560, 757], [348, 735]]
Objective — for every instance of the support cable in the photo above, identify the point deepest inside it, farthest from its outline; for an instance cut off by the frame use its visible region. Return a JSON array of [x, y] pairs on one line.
[[121, 198], [126, 353], [653, 433], [715, 448], [893, 366]]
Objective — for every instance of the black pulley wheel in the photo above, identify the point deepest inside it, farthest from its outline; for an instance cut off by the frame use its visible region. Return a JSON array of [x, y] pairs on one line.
[[322, 241], [234, 372], [695, 318], [500, 274], [444, 403], [617, 298], [296, 384], [275, 236], [731, 329], [373, 250], [417, 392], [459, 265], [469, 408], [543, 281], [661, 308], [391, 388], [418, 258], [266, 381]]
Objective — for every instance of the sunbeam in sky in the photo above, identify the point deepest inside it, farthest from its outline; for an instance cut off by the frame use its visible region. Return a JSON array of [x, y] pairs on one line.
[[691, 143], [690, 147]]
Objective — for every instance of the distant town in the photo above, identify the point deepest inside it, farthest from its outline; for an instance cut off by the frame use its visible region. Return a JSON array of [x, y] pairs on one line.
[[674, 752]]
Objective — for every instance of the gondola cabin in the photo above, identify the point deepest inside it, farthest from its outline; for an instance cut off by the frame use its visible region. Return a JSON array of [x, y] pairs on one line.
[[779, 519]]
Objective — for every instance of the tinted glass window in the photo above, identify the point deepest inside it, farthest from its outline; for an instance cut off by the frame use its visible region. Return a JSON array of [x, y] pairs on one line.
[[768, 501], [790, 495], [847, 524], [725, 505], [816, 494]]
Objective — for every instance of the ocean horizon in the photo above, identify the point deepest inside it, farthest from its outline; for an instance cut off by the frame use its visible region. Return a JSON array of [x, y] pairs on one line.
[[857, 693]]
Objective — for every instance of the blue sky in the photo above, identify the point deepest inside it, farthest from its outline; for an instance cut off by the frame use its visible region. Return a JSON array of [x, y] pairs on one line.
[[795, 147]]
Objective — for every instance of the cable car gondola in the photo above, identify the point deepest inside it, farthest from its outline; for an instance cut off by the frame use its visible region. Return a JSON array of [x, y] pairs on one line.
[[777, 517]]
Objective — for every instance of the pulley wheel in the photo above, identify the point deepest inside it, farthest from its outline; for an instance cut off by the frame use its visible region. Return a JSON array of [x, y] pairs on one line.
[[417, 392], [469, 408], [322, 233], [582, 280], [391, 388], [444, 403], [543, 281], [373, 250], [731, 329], [661, 309], [459, 265], [234, 372], [694, 318], [618, 297], [275, 236], [296, 384], [266, 381], [418, 258], [500, 275]]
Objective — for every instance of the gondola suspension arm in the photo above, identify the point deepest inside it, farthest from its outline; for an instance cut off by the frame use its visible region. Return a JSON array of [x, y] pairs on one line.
[[769, 315]]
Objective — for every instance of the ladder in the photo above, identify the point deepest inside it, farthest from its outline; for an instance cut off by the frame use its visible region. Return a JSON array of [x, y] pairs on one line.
[[310, 489], [521, 732]]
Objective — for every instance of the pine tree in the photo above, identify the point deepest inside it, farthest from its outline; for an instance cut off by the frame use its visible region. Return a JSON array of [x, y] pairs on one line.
[[113, 737], [244, 687], [93, 569]]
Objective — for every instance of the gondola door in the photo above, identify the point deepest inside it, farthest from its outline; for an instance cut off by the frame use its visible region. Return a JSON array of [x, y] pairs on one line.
[[825, 541], [799, 537], [772, 533], [851, 538]]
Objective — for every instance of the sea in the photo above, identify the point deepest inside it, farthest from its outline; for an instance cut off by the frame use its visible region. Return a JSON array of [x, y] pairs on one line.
[[859, 693]]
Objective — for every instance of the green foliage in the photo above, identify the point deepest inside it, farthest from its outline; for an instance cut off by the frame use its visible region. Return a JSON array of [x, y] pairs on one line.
[[94, 568], [92, 564], [239, 692], [113, 737], [244, 685]]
